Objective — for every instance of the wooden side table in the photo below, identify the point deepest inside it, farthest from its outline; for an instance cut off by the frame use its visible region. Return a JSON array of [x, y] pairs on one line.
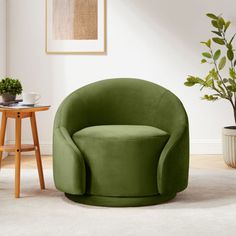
[[18, 114]]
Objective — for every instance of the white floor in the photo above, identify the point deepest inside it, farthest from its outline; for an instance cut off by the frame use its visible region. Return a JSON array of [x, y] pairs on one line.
[[207, 207]]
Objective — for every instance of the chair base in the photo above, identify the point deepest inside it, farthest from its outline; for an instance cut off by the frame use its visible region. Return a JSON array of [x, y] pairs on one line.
[[120, 201]]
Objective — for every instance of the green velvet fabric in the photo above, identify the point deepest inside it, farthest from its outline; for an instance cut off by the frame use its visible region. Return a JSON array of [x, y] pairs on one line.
[[120, 201], [121, 102], [121, 160]]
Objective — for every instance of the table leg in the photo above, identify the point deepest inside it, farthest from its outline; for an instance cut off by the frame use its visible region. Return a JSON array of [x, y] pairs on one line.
[[37, 149], [2, 133], [18, 155]]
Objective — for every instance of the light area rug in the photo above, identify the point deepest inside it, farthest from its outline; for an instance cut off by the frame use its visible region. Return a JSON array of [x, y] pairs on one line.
[[206, 207]]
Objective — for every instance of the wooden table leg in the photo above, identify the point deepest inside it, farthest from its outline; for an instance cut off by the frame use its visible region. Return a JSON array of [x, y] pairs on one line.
[[18, 155], [2, 134], [37, 149]]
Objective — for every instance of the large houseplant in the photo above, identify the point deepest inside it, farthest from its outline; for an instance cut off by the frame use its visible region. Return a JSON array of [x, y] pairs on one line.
[[9, 88], [221, 79]]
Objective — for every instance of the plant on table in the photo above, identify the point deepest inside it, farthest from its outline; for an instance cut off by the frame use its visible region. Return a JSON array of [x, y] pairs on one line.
[[9, 88]]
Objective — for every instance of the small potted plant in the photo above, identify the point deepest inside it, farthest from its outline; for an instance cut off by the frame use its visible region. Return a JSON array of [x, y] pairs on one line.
[[221, 78], [9, 88]]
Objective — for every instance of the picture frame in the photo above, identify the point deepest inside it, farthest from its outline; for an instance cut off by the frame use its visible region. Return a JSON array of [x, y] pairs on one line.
[[76, 27]]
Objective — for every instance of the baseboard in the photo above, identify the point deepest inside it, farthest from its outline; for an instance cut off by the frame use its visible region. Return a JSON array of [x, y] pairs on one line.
[[197, 146]]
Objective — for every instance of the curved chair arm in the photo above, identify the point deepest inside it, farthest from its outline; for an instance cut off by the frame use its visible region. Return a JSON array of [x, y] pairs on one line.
[[72, 114], [173, 165], [70, 174], [172, 172]]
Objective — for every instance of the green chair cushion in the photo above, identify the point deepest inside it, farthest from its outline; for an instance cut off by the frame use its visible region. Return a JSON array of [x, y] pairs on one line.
[[121, 160]]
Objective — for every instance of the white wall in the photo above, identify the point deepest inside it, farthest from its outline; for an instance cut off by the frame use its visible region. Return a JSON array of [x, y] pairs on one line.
[[156, 40], [3, 45], [2, 38]]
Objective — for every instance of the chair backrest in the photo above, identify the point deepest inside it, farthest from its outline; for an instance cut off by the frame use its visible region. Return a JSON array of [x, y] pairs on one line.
[[121, 101]]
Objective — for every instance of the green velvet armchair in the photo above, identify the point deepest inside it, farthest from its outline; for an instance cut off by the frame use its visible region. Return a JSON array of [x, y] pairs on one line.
[[121, 142]]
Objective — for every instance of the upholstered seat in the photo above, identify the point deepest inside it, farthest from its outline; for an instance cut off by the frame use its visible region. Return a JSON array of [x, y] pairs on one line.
[[121, 159], [121, 142]]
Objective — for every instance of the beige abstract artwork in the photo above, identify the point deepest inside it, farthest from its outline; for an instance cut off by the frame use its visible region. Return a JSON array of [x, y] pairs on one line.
[[75, 19]]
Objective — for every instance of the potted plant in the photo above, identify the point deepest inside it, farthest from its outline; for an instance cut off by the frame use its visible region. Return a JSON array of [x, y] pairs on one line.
[[221, 79], [9, 88]]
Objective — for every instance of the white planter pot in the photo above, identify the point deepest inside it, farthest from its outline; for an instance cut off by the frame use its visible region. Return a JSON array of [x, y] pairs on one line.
[[229, 145]]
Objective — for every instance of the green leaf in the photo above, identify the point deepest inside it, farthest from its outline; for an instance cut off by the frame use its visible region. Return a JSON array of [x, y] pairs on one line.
[[210, 83], [214, 74], [232, 73], [192, 80], [218, 41], [212, 16], [217, 32], [210, 97], [227, 24], [207, 54], [217, 55], [208, 77], [230, 55], [215, 24], [231, 81], [203, 61], [189, 84], [195, 80], [208, 43], [213, 98], [232, 86], [225, 80], [222, 63], [221, 22]]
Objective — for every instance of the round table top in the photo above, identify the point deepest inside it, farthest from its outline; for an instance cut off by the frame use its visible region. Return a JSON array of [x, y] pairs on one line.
[[24, 108]]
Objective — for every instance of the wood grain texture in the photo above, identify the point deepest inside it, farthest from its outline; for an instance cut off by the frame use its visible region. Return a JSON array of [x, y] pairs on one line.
[[12, 148], [2, 133], [17, 156], [37, 150], [27, 110], [18, 115], [75, 19]]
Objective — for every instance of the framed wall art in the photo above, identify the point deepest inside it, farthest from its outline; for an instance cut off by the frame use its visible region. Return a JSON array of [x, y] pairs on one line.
[[76, 26]]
